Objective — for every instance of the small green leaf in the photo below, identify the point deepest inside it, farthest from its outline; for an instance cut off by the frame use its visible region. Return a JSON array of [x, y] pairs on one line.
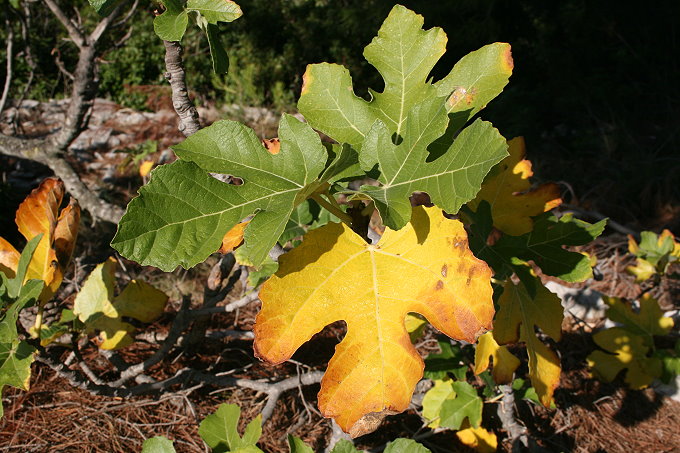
[[15, 365], [466, 404], [405, 446], [344, 446], [296, 445], [216, 10], [103, 7], [433, 400], [220, 59], [158, 444], [219, 431], [14, 285], [171, 25]]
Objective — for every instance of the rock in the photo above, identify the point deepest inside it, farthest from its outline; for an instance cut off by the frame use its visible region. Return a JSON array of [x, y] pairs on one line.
[[581, 303]]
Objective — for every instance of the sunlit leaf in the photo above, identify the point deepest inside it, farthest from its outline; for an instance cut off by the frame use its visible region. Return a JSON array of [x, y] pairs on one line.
[[181, 216], [405, 446], [220, 431], [158, 444], [478, 438], [518, 315], [171, 25], [216, 10], [425, 268], [623, 350], [96, 306], [507, 189], [504, 362], [465, 404]]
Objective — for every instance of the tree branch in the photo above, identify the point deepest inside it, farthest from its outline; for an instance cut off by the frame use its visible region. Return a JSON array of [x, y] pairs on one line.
[[74, 33], [188, 115], [41, 151], [10, 59]]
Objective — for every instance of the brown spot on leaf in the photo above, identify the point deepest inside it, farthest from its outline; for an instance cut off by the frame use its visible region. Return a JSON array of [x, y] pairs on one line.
[[440, 286], [507, 59], [306, 80], [369, 423], [445, 270], [273, 145]]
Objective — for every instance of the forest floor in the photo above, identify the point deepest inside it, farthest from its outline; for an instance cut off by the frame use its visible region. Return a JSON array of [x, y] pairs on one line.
[[590, 416]]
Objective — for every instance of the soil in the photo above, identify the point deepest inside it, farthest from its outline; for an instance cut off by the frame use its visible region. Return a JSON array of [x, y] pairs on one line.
[[590, 416]]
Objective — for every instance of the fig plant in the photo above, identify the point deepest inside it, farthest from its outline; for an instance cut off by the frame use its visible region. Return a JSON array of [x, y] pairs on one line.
[[482, 239]]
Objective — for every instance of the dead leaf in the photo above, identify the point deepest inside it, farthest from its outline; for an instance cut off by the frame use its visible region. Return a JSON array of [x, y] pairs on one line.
[[145, 168], [506, 188], [425, 268]]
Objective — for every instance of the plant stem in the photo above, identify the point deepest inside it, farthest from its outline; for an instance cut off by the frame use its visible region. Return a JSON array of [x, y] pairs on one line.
[[335, 210]]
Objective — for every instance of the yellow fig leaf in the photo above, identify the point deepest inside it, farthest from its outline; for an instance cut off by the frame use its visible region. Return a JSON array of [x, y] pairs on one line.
[[145, 168], [624, 350], [504, 362], [9, 258], [39, 214], [233, 238], [507, 191], [96, 306], [425, 268], [517, 317], [478, 438], [648, 321]]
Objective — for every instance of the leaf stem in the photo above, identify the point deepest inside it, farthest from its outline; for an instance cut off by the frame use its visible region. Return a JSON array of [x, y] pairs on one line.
[[333, 208]]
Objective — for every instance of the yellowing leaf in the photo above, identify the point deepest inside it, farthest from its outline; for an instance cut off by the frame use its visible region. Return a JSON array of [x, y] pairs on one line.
[[504, 362], [628, 351], [9, 258], [434, 398], [425, 268], [96, 306], [506, 188], [415, 326], [145, 168], [518, 315], [643, 270], [478, 438], [39, 214], [648, 321], [233, 238]]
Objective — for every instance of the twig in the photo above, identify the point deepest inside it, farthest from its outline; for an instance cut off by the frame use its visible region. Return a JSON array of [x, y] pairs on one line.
[[10, 59], [232, 306], [188, 115], [73, 31], [506, 413], [179, 324]]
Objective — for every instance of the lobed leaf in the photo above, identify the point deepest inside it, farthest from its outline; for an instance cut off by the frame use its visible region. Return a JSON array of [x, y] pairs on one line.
[[506, 189], [181, 216], [450, 403], [220, 431], [518, 315], [451, 180], [216, 10], [543, 245], [425, 268], [404, 54], [624, 350]]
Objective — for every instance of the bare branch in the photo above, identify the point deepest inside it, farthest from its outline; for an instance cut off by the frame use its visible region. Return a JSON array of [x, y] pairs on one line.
[[232, 306], [74, 32], [43, 152], [188, 115], [10, 59], [180, 323], [103, 26], [131, 12]]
